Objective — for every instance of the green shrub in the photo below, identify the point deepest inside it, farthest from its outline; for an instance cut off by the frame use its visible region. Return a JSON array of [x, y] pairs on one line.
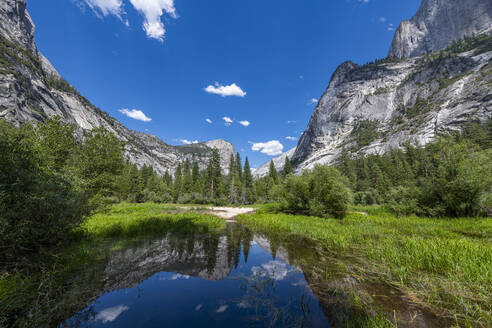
[[38, 206], [320, 192]]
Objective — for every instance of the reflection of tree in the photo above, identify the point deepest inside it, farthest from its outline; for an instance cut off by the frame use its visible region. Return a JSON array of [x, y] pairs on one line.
[[247, 238], [260, 297], [211, 246]]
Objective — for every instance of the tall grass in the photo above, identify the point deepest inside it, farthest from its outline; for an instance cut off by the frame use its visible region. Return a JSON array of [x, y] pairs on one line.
[[446, 264]]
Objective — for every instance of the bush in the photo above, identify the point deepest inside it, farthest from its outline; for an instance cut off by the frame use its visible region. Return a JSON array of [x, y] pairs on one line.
[[319, 192], [37, 206]]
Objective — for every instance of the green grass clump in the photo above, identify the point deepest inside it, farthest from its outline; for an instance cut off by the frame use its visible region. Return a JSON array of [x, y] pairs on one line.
[[446, 264], [130, 220]]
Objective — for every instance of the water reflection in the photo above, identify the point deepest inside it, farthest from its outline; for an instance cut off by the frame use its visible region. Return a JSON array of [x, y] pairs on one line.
[[237, 278], [226, 279]]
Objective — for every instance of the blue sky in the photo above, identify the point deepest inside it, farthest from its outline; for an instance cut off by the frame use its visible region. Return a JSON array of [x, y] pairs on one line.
[[181, 62]]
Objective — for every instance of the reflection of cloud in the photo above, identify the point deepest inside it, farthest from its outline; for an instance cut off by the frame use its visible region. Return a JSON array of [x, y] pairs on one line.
[[300, 282], [276, 270], [110, 314], [222, 308], [243, 304], [198, 307], [177, 276]]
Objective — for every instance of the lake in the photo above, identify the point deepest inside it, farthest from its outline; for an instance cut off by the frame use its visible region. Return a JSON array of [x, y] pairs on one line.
[[240, 278], [228, 279]]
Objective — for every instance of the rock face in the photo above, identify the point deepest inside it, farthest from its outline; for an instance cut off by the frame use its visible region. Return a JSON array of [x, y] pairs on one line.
[[438, 23], [380, 106], [278, 161], [32, 90]]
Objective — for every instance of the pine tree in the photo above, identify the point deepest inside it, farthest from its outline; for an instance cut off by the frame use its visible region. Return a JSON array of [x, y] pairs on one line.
[[231, 180], [239, 169], [287, 167], [178, 183], [214, 175], [247, 194], [187, 179], [195, 177], [272, 173]]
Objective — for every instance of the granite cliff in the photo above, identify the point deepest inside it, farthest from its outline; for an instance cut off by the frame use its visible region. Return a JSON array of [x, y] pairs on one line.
[[431, 83]]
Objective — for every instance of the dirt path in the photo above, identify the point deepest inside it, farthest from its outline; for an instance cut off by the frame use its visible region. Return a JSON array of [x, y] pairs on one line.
[[229, 213]]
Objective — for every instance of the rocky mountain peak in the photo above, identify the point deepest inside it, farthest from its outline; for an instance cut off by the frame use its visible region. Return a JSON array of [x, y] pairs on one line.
[[16, 25], [438, 23]]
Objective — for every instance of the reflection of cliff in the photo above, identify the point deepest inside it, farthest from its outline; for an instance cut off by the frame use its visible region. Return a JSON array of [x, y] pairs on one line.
[[203, 256], [210, 256]]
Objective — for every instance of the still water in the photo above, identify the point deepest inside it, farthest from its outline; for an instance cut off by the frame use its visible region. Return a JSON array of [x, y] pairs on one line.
[[229, 279]]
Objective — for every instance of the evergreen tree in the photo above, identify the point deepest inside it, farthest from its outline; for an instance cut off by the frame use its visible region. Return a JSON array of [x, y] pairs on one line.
[[287, 167], [231, 178], [214, 175], [272, 173], [239, 169], [187, 178], [195, 178], [178, 183], [248, 193]]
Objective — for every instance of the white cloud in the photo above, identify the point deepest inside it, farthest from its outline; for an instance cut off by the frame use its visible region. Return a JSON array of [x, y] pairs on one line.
[[106, 7], [209, 121], [272, 148], [225, 91], [135, 114], [245, 123], [110, 314], [382, 19], [227, 121], [314, 100], [152, 10], [291, 122], [222, 308], [188, 142], [291, 138]]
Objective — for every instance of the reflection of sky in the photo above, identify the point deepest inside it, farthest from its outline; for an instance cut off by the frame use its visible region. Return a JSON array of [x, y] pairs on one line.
[[172, 299], [276, 270], [110, 314]]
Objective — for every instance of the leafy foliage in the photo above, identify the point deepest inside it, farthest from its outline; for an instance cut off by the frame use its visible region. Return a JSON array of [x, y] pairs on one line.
[[321, 192]]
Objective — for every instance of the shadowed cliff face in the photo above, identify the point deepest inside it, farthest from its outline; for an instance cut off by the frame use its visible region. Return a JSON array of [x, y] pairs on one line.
[[32, 90], [438, 23]]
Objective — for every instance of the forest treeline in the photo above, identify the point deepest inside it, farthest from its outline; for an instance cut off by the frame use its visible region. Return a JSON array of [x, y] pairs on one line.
[[49, 182]]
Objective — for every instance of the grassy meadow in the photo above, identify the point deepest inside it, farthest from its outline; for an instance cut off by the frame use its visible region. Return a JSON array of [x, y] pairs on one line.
[[443, 264]]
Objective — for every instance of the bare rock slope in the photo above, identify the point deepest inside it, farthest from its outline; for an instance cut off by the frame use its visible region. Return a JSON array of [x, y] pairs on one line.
[[383, 105], [438, 23], [32, 90]]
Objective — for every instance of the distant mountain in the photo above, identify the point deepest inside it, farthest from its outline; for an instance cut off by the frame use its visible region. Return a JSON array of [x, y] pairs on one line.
[[32, 90], [385, 104], [278, 161]]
